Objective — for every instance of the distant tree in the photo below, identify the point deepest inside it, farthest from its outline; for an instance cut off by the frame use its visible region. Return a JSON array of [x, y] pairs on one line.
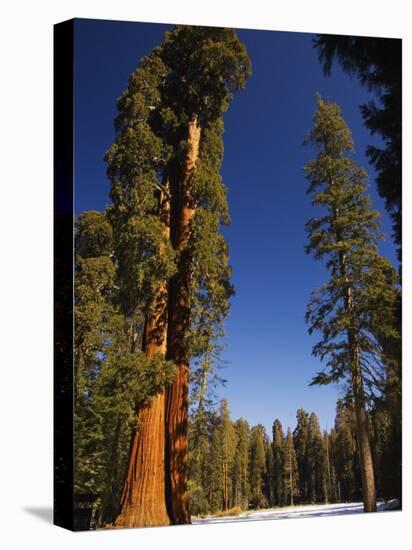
[[279, 490], [241, 485], [300, 441], [228, 442], [377, 62], [257, 467], [269, 473], [357, 304], [331, 493], [290, 469], [317, 463], [345, 452]]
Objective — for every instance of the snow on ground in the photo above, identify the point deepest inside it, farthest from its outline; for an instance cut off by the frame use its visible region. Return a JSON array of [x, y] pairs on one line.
[[289, 512]]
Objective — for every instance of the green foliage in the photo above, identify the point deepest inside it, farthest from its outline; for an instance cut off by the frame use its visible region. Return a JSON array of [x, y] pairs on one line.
[[301, 443], [358, 302], [257, 468], [317, 481], [279, 489], [290, 469], [203, 78], [377, 62], [113, 376], [241, 485], [345, 452]]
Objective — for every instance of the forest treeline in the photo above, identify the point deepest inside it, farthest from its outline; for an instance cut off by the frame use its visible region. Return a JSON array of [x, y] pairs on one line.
[[235, 467], [152, 290]]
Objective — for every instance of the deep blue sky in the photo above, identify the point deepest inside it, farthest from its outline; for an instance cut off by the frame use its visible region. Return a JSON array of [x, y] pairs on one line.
[[269, 350]]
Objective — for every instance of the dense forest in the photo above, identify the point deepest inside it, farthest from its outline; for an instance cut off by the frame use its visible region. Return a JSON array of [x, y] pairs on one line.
[[152, 291], [235, 467]]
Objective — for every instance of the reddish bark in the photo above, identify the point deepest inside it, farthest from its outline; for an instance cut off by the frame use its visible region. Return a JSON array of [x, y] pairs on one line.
[[177, 395], [143, 499]]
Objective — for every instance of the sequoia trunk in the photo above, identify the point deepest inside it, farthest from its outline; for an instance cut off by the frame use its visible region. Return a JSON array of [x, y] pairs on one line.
[[177, 395], [143, 501]]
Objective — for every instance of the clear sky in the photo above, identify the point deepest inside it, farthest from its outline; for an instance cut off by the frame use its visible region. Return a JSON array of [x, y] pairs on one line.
[[268, 348]]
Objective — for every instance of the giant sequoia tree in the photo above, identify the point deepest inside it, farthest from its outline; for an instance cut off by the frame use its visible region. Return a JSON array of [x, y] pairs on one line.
[[357, 305], [168, 204]]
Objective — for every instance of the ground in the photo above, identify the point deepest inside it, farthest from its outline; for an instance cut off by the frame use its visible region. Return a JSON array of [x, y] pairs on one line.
[[312, 510]]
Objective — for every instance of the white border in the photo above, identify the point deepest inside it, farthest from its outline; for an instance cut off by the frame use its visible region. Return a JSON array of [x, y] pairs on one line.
[[26, 268]]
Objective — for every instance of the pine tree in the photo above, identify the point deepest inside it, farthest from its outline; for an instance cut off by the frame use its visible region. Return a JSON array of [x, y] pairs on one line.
[[300, 440], [228, 442], [278, 464], [377, 62], [269, 473], [257, 466], [360, 295], [331, 452], [290, 469], [241, 486], [317, 463], [345, 452]]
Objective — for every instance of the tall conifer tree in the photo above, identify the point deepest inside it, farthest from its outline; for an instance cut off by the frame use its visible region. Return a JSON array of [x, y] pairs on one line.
[[290, 469], [168, 204], [359, 299]]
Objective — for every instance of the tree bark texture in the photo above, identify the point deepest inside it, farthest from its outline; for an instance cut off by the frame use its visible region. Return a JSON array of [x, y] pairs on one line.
[[362, 427], [143, 501], [177, 394], [365, 451]]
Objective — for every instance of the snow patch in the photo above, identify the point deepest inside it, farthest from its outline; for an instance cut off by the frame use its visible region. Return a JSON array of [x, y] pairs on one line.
[[290, 512]]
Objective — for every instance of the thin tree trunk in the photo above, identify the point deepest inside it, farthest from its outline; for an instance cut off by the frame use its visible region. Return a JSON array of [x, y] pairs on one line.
[[365, 452], [179, 321], [143, 501], [362, 428]]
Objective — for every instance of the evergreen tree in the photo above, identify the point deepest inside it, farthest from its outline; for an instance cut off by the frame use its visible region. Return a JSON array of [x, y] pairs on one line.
[[317, 463], [241, 485], [269, 473], [300, 441], [360, 295], [228, 443], [257, 467], [290, 469], [111, 376], [377, 62], [331, 453], [345, 453], [168, 204], [279, 491], [206, 66]]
